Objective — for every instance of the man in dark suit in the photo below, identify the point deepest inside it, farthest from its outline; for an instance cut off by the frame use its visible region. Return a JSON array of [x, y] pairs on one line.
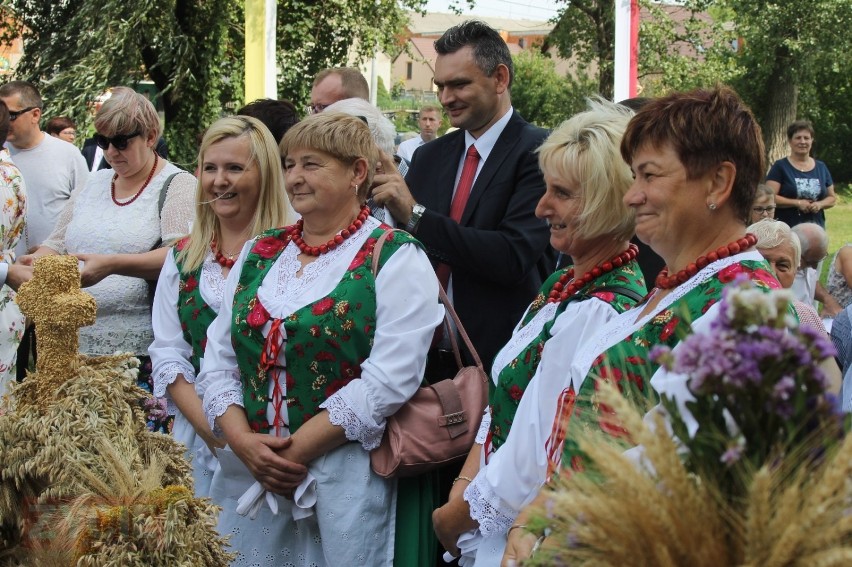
[[497, 251]]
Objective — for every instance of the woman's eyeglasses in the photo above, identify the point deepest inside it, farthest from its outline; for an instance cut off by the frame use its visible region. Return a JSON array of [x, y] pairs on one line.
[[119, 142], [763, 210]]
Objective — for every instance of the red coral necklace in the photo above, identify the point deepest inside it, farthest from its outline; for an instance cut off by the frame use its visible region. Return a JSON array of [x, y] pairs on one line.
[[136, 196], [665, 281], [221, 259], [296, 235], [561, 292]]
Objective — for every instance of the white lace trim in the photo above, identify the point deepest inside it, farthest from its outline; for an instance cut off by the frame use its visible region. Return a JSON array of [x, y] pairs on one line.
[[522, 337], [220, 403], [625, 324], [355, 426], [484, 427], [214, 281], [291, 286], [487, 509], [166, 375]]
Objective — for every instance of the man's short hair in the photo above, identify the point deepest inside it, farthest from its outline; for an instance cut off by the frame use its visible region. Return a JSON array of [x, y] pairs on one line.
[[430, 108], [489, 49], [353, 82], [27, 91], [277, 115]]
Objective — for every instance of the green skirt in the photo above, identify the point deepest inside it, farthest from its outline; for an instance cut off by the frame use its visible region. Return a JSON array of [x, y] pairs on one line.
[[415, 544]]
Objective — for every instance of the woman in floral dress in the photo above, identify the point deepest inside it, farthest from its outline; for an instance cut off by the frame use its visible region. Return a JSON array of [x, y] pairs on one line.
[[310, 354], [241, 194], [586, 181], [13, 206], [697, 158]]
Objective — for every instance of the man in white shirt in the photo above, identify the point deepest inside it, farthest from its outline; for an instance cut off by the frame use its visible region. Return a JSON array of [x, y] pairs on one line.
[[429, 121], [806, 286], [51, 167]]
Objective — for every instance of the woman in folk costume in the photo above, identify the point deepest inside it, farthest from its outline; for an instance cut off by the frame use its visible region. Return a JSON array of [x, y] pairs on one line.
[[310, 354], [697, 158], [240, 194], [586, 181]]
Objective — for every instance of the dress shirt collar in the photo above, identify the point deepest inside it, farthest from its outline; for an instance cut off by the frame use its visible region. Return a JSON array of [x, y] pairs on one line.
[[485, 143]]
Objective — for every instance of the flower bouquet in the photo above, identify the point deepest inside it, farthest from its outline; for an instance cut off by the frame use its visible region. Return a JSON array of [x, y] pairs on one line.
[[754, 468]]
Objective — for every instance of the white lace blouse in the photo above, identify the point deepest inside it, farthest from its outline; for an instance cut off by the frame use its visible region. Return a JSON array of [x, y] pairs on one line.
[[91, 223], [170, 353], [407, 313]]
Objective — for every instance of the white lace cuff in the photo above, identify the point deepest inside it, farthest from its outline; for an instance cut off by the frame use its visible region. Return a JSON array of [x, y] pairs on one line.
[[357, 427], [166, 375], [493, 516], [217, 404], [484, 427]]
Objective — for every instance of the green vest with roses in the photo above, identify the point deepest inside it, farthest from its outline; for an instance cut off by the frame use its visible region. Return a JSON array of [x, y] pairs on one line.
[[325, 341], [513, 380], [194, 314], [628, 365]]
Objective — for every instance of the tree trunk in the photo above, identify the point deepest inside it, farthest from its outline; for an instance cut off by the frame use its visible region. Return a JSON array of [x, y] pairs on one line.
[[780, 110]]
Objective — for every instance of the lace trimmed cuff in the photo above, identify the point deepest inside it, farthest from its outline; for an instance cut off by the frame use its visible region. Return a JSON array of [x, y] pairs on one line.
[[487, 509], [484, 427], [168, 373], [219, 404], [357, 427]]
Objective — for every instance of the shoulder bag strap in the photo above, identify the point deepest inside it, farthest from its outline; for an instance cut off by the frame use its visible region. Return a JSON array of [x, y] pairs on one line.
[[448, 308]]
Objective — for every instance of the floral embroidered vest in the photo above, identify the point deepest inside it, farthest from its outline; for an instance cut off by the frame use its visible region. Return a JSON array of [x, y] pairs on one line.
[[627, 364], [505, 396], [325, 341], [193, 312]]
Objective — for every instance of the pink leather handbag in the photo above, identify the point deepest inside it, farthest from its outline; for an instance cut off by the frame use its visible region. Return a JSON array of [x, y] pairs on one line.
[[438, 425]]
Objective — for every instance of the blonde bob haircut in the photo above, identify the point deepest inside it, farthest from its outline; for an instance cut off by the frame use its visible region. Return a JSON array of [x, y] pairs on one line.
[[272, 209], [771, 233], [126, 112], [343, 137], [586, 149]]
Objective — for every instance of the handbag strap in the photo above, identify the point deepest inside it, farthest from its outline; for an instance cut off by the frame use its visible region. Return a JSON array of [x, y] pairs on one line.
[[448, 308]]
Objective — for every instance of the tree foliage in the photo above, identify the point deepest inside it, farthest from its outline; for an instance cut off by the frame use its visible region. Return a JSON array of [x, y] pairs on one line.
[[544, 97], [192, 50], [585, 32]]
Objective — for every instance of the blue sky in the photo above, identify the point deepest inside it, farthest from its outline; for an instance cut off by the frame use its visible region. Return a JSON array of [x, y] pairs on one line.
[[522, 9]]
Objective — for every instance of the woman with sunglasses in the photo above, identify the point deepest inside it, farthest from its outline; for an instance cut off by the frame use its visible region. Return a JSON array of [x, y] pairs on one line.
[[117, 226], [240, 194]]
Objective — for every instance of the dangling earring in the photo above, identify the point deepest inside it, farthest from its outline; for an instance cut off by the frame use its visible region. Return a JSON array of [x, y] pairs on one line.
[[356, 190]]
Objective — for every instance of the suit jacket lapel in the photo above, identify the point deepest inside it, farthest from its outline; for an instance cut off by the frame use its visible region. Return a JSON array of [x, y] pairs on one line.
[[508, 139]]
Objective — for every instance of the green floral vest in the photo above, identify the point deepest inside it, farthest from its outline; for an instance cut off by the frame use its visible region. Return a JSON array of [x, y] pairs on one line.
[[505, 396], [627, 364], [194, 314], [326, 340]]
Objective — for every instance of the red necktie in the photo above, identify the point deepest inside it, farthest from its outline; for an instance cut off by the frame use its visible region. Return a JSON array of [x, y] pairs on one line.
[[471, 162]]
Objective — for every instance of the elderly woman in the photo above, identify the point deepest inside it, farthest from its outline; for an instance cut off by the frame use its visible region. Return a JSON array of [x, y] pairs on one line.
[[117, 224], [310, 354], [764, 204], [240, 194], [803, 185], [13, 206], [697, 158], [586, 181]]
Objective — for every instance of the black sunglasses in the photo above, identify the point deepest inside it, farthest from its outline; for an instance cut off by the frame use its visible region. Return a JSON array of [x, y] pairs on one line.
[[119, 142], [13, 114]]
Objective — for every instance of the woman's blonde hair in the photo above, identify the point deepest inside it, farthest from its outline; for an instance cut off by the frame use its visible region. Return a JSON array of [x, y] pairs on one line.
[[343, 137], [272, 210], [586, 148], [126, 112]]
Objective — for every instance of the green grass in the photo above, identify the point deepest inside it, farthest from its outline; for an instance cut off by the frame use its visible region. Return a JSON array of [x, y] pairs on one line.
[[838, 224]]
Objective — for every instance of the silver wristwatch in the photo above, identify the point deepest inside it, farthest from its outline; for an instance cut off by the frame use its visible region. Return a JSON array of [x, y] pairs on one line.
[[416, 213]]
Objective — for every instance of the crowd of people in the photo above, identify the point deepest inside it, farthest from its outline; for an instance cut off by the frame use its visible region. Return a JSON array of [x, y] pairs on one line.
[[275, 347]]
